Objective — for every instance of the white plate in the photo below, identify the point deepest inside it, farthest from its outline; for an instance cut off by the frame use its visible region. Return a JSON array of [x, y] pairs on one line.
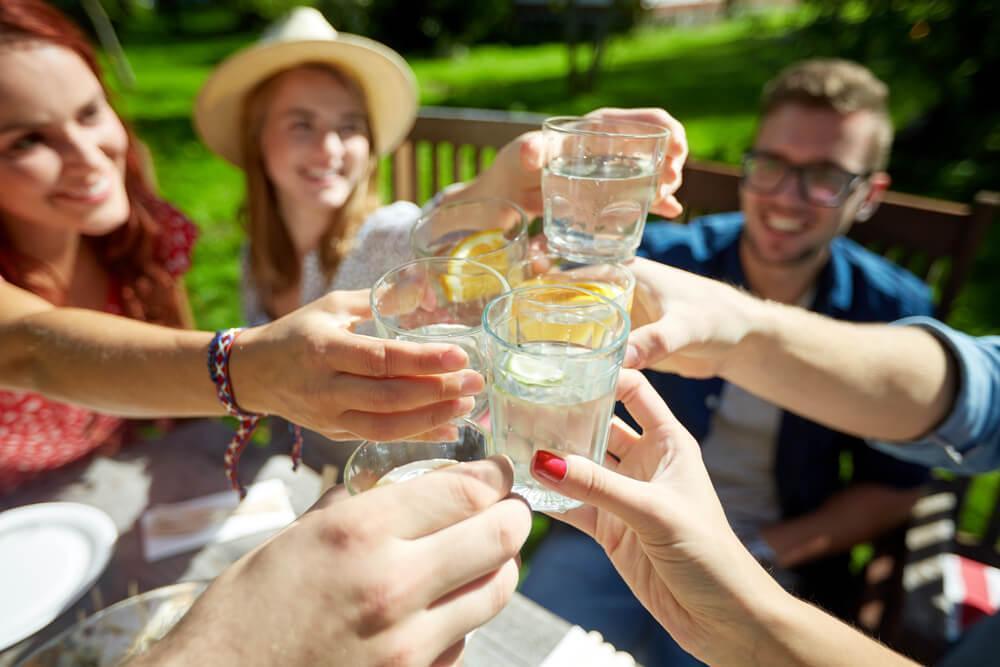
[[50, 554]]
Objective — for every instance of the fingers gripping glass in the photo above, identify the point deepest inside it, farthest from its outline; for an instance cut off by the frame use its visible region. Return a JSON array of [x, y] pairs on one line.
[[819, 183]]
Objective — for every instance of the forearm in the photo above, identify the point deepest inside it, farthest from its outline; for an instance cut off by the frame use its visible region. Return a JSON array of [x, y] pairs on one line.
[[794, 632], [855, 515], [108, 363], [874, 381]]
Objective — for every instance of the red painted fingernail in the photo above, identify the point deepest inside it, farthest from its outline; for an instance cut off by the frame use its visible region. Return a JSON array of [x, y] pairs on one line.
[[549, 466]]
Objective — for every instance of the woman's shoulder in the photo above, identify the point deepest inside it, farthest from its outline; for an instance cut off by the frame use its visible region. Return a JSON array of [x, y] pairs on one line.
[[392, 218]]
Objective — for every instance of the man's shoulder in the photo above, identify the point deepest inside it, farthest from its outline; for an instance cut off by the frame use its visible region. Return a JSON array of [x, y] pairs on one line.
[[890, 290], [687, 245]]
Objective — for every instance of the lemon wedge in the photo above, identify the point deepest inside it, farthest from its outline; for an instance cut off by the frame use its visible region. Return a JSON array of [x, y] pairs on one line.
[[534, 372], [458, 287], [585, 333]]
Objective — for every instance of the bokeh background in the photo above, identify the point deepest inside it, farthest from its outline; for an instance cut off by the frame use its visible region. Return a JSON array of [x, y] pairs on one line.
[[705, 61]]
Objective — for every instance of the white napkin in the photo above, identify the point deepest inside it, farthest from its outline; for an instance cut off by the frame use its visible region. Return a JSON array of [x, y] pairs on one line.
[[178, 527], [579, 648]]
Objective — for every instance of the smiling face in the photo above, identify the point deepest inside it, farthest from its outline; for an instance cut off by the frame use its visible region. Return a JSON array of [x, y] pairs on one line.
[[62, 147], [315, 139], [781, 227]]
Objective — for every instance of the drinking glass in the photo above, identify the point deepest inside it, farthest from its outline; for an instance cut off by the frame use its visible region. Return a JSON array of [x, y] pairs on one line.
[[379, 463], [438, 300], [554, 354], [491, 231], [611, 280], [598, 183]]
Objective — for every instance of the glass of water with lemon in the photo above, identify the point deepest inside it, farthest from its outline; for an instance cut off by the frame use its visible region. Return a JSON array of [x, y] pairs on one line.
[[554, 353], [611, 280], [491, 231], [438, 300], [598, 183], [376, 464]]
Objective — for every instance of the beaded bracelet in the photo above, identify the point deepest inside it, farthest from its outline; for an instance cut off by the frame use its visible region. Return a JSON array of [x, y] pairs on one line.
[[218, 369]]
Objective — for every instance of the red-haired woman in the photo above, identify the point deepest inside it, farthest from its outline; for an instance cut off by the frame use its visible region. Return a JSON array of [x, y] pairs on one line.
[[92, 310]]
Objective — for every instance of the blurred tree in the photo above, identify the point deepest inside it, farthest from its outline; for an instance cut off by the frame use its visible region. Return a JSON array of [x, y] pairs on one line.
[[953, 48]]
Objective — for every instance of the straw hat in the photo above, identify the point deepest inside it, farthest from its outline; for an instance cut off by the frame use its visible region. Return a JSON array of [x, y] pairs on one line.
[[304, 36]]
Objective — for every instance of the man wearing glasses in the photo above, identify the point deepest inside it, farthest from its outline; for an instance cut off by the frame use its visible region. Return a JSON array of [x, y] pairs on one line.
[[817, 167]]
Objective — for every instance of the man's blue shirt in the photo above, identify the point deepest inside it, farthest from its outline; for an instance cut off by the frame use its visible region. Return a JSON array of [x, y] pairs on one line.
[[856, 285], [968, 440]]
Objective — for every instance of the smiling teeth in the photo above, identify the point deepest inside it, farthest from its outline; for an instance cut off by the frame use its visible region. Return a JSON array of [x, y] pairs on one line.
[[320, 173], [96, 188], [785, 224]]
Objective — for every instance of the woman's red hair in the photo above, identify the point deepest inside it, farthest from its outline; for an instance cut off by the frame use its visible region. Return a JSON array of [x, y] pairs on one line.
[[147, 291]]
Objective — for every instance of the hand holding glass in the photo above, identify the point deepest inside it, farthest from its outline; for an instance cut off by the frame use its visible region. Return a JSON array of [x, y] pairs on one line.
[[438, 300], [554, 355]]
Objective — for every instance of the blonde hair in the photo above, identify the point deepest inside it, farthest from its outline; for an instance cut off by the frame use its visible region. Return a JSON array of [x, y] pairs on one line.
[[839, 85], [273, 260]]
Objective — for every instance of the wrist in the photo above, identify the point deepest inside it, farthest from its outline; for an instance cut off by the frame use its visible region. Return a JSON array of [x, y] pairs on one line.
[[245, 373], [758, 322]]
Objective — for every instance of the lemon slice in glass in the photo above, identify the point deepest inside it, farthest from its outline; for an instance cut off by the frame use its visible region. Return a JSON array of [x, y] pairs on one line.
[[534, 371], [459, 287]]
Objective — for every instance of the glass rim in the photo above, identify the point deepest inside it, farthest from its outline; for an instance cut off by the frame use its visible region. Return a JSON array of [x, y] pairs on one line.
[[461, 422], [617, 266], [378, 316], [619, 339], [522, 226], [656, 131]]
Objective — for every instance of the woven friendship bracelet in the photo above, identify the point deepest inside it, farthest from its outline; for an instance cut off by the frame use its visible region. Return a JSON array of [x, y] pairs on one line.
[[218, 369]]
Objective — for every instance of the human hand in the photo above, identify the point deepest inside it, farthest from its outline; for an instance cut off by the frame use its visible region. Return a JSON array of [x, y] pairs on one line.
[[515, 174], [396, 575], [685, 323], [311, 369], [658, 517]]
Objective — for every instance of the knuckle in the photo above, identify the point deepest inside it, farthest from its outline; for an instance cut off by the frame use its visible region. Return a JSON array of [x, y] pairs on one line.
[[507, 536], [377, 360], [379, 605], [343, 535], [469, 494], [398, 653]]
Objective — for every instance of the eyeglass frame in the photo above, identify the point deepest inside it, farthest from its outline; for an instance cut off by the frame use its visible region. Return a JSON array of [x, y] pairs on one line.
[[799, 170]]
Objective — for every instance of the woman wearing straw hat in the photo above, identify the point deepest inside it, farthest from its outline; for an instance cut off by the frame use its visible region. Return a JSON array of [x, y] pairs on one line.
[[306, 112], [91, 305]]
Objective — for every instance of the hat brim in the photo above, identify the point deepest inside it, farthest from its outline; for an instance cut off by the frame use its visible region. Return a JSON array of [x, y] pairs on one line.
[[389, 86]]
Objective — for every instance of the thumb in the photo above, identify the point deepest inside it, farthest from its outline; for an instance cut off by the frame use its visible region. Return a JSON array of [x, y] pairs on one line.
[[532, 151], [650, 344], [581, 479], [351, 302]]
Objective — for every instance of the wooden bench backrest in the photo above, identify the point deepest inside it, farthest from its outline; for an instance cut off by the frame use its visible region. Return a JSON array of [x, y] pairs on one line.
[[428, 160], [935, 239]]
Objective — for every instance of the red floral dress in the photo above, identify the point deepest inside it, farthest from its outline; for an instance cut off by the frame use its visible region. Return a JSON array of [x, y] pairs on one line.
[[38, 434]]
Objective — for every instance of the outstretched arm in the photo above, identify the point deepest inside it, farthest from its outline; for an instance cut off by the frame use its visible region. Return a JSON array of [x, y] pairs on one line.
[[656, 514], [874, 381], [307, 367]]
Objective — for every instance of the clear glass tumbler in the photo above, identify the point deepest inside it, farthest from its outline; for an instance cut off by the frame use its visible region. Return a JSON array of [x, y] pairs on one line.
[[554, 354], [438, 300], [378, 463], [611, 280], [598, 183], [491, 231]]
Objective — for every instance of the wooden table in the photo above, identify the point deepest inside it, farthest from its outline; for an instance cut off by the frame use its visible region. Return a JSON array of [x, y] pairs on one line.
[[187, 463]]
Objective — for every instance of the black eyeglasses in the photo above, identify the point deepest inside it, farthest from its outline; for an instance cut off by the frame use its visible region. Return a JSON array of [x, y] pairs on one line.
[[820, 183]]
